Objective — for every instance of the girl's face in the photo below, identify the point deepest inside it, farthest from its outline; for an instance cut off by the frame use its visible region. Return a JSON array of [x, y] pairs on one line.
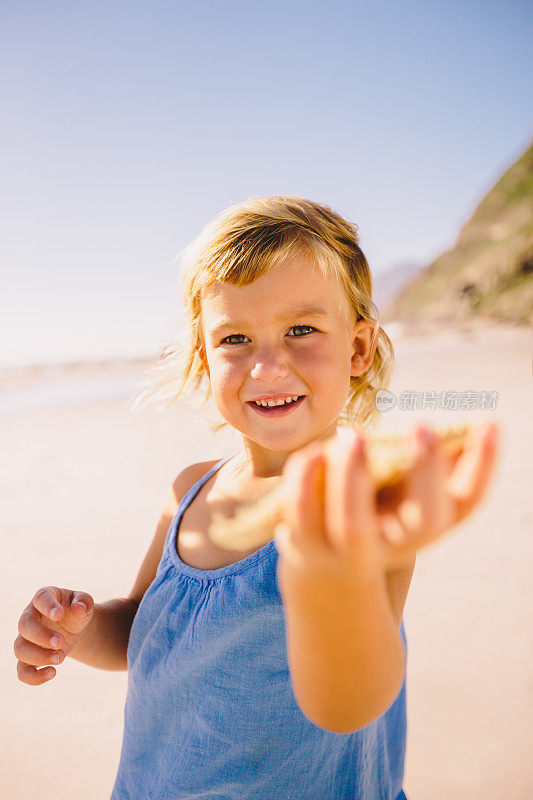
[[286, 334]]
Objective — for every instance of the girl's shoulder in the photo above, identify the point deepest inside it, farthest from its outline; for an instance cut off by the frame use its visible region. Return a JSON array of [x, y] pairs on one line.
[[184, 481]]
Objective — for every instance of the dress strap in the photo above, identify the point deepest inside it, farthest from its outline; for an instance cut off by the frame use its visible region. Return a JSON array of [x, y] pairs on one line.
[[169, 547]]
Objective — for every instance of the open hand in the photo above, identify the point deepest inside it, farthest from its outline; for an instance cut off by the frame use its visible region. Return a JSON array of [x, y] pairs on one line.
[[335, 519]]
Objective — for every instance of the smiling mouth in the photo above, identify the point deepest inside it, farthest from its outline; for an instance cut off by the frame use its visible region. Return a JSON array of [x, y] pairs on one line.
[[277, 411]]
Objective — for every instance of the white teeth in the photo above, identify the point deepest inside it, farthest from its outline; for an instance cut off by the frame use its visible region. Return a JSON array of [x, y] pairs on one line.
[[280, 402]]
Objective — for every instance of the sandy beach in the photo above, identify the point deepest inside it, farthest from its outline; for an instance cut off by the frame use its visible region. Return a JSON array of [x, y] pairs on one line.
[[82, 484]]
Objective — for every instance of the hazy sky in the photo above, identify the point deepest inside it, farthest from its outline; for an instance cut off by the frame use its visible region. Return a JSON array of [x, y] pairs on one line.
[[126, 126]]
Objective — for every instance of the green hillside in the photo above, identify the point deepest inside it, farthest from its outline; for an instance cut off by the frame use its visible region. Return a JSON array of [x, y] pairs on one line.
[[489, 271]]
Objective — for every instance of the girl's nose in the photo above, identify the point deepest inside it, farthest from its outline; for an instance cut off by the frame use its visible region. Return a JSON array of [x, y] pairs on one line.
[[270, 366]]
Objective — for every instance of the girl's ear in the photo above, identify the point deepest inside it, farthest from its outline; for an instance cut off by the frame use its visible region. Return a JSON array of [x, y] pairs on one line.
[[363, 349]]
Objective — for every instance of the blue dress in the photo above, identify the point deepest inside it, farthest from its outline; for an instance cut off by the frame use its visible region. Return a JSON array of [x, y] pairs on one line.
[[210, 712]]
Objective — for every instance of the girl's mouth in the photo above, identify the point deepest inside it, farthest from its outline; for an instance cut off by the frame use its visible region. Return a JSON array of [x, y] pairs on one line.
[[277, 411]]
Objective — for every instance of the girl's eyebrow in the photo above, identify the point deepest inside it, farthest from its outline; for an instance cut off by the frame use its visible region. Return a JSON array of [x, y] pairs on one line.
[[223, 323]]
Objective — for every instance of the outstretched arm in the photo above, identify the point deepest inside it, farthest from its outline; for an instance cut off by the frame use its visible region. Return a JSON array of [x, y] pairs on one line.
[[345, 564]]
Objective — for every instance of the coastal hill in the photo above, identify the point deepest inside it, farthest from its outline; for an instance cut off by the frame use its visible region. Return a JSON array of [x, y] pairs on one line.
[[488, 273]]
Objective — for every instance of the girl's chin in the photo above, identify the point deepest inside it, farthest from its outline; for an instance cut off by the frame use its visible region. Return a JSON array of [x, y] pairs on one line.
[[277, 440], [281, 441]]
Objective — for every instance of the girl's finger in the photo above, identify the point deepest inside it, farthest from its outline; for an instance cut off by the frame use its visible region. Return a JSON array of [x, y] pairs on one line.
[[392, 529], [32, 676], [82, 603], [427, 512], [30, 653], [49, 602], [469, 480], [350, 511], [304, 507], [34, 631]]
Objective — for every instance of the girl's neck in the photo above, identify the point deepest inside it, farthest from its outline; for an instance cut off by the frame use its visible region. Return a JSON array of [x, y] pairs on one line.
[[255, 463]]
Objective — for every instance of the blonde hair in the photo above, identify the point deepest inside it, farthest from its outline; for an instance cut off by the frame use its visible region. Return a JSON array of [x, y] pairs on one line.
[[239, 246]]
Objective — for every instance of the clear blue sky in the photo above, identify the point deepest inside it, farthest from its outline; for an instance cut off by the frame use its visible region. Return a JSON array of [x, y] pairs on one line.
[[127, 125]]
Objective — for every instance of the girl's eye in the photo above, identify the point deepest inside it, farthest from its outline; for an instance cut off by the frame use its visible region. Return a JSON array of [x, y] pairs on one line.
[[236, 335], [233, 336], [302, 326]]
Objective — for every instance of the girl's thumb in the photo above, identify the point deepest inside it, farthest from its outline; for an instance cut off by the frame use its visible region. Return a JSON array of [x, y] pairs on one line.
[[82, 605]]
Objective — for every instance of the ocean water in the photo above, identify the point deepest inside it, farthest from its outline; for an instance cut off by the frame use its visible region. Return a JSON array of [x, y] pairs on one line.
[[61, 388]]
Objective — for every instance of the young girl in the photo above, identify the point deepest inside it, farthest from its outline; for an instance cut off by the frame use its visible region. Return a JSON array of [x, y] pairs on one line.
[[278, 672]]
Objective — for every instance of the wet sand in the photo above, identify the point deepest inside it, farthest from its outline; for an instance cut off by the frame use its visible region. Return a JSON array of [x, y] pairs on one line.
[[81, 489]]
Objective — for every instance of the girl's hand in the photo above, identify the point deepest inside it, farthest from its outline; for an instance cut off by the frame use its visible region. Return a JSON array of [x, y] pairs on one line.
[[334, 519], [49, 628]]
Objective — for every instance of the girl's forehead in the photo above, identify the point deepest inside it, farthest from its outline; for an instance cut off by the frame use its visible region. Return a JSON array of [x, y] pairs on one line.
[[287, 284]]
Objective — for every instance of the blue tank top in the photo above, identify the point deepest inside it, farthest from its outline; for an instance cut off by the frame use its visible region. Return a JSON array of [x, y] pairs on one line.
[[210, 712]]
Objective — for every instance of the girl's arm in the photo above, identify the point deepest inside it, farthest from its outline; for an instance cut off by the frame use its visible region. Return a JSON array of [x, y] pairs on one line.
[[397, 583], [350, 636], [346, 564], [344, 648], [104, 642]]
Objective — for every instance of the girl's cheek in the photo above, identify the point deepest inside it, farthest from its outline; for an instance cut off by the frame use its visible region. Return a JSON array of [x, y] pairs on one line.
[[223, 375], [314, 359], [308, 356]]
